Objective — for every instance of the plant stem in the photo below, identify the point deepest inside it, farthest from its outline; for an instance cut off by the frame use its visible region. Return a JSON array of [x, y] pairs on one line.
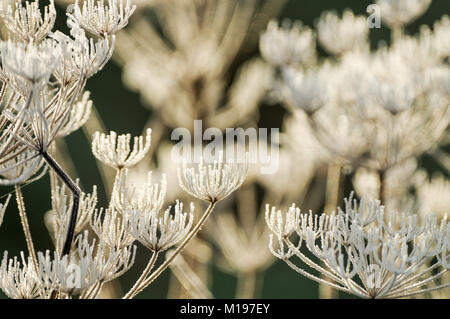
[[246, 286], [25, 225], [143, 276], [180, 248], [76, 193]]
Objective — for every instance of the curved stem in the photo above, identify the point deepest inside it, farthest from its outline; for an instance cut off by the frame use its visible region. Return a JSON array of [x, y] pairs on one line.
[[180, 248], [133, 291], [76, 193], [25, 225]]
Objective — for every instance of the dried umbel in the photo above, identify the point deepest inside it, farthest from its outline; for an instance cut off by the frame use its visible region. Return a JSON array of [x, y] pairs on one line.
[[363, 251], [116, 151], [160, 231], [100, 19], [27, 23], [148, 197], [212, 182], [43, 74], [81, 272]]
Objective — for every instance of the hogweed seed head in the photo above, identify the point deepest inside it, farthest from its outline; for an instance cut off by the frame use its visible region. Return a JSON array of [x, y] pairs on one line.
[[27, 23], [388, 254], [150, 196], [32, 62], [115, 150], [100, 19], [160, 232], [212, 182], [18, 278], [112, 228]]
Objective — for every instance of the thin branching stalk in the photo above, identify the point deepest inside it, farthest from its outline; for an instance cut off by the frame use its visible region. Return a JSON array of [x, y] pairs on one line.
[[180, 248], [137, 286], [25, 225]]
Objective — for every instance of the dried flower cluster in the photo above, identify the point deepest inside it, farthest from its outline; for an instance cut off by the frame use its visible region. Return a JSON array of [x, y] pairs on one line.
[[352, 113], [363, 251], [43, 75]]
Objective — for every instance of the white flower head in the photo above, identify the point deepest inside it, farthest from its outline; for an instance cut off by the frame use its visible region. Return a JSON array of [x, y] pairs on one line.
[[100, 19], [212, 182], [288, 45], [160, 232], [116, 151]]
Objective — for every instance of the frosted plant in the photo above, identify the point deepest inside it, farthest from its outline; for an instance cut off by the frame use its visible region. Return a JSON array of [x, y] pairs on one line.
[[27, 22], [115, 150], [61, 206], [18, 278], [290, 44], [3, 209], [212, 182], [37, 110], [160, 232], [100, 19], [111, 228], [342, 35], [83, 273], [364, 252], [150, 197]]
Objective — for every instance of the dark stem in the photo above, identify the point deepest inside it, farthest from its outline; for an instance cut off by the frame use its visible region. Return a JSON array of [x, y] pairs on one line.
[[382, 194], [76, 193]]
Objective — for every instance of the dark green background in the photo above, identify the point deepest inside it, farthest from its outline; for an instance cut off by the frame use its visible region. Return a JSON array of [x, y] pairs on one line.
[[121, 111]]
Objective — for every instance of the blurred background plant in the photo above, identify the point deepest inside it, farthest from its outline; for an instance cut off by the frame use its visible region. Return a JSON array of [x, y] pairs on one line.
[[358, 108]]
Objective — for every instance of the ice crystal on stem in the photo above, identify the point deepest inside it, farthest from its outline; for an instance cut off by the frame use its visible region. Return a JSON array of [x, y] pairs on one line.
[[364, 252]]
